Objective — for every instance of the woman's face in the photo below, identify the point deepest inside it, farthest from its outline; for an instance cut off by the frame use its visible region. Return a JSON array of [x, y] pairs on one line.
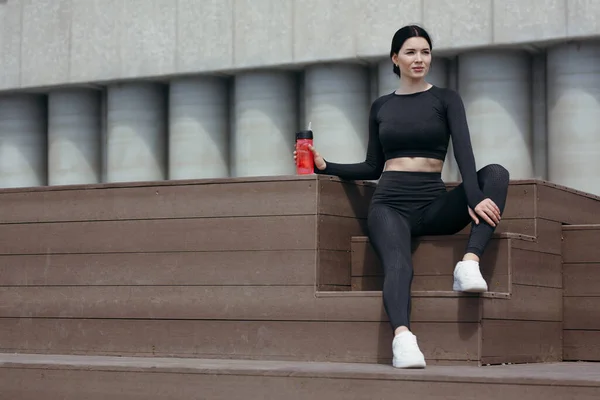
[[414, 58]]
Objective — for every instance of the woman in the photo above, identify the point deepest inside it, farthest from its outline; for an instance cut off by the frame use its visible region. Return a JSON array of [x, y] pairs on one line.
[[409, 131]]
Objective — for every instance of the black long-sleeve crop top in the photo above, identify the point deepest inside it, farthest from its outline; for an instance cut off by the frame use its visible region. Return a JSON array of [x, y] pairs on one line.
[[416, 125]]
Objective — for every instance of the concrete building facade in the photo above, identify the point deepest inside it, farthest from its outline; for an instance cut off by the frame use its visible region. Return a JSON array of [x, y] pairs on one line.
[[131, 90]]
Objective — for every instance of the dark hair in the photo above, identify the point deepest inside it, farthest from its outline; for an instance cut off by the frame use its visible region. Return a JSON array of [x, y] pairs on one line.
[[402, 35]]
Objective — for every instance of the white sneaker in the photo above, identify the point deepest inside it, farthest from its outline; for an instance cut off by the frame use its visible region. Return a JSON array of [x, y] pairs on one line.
[[406, 351], [467, 277]]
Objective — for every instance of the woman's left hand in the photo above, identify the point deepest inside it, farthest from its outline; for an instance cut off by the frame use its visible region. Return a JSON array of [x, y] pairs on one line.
[[488, 210]]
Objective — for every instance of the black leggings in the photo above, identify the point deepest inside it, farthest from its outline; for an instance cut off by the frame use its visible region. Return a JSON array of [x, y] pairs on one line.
[[407, 204]]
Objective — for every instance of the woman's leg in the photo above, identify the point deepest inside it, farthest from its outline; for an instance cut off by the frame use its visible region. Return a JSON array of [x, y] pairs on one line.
[[390, 236], [449, 214]]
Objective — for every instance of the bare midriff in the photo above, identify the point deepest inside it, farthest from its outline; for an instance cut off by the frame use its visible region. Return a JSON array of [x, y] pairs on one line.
[[414, 164]]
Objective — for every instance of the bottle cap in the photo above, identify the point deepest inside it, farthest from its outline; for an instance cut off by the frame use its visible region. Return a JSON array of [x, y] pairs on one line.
[[308, 134]]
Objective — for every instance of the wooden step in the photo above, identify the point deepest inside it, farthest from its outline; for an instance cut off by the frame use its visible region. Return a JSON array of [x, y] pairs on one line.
[[24, 377], [581, 269]]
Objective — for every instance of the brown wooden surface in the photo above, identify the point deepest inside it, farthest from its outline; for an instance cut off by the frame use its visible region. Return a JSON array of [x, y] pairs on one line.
[[98, 378], [567, 206], [536, 269], [218, 302], [203, 234], [264, 340], [335, 233], [527, 303], [582, 313], [582, 280], [333, 268], [281, 267], [581, 345], [548, 236], [433, 261], [344, 199], [581, 245], [505, 341], [157, 201]]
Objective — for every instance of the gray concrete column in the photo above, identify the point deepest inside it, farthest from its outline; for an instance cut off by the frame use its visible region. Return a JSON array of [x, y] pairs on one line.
[[198, 128], [23, 141], [574, 115], [136, 132], [265, 123], [388, 81], [539, 110], [337, 101], [74, 123], [496, 90]]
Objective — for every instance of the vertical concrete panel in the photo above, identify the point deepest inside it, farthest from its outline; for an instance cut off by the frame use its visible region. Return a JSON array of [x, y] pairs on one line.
[[148, 37], [45, 42], [378, 20], [325, 30], [96, 40], [496, 90], [337, 100], [539, 109], [74, 137], [529, 20], [265, 123], [204, 35], [10, 45], [263, 32], [136, 137], [574, 115], [22, 140], [583, 17], [198, 128], [458, 23]]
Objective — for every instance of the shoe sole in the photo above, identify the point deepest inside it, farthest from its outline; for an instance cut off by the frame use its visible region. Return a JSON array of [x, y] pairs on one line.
[[413, 365], [474, 288]]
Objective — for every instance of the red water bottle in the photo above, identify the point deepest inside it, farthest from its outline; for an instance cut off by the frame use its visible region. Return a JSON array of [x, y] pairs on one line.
[[304, 157]]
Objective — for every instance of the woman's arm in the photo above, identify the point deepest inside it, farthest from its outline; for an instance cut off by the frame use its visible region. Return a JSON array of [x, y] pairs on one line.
[[463, 151], [372, 167]]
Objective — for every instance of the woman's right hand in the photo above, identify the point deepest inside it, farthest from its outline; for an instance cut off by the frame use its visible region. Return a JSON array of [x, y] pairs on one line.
[[319, 161]]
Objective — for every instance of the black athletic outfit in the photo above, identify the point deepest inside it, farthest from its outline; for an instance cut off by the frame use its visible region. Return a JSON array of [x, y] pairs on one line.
[[407, 204]]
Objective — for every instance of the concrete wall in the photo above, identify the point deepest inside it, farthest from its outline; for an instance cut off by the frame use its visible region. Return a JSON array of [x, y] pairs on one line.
[[54, 42]]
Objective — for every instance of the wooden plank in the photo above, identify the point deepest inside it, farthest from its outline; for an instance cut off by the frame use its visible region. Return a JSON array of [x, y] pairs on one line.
[[520, 202], [581, 345], [536, 269], [345, 199], [434, 261], [99, 383], [281, 267], [581, 246], [249, 340], [527, 303], [505, 341], [448, 341], [582, 280], [424, 283], [354, 342], [203, 234], [567, 206], [333, 268], [158, 201], [335, 233], [218, 302], [581, 313], [548, 236], [432, 257]]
